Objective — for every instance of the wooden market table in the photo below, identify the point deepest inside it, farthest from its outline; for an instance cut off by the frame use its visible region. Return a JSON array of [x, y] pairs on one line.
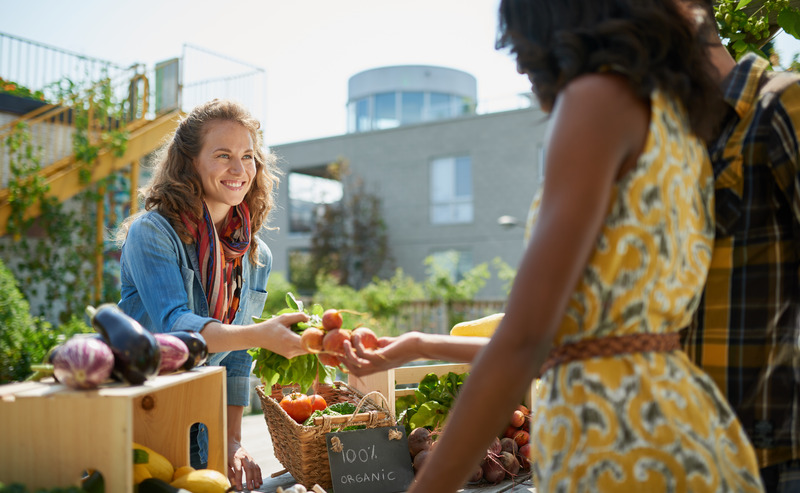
[[51, 433]]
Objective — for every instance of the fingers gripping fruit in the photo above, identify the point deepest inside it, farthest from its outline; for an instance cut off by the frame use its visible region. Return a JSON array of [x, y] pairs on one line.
[[366, 337], [333, 341], [311, 340]]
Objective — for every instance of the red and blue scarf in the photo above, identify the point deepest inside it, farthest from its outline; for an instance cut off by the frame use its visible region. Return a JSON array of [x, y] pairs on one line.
[[220, 257]]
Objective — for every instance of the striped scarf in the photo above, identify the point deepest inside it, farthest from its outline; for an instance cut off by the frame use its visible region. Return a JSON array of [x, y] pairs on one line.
[[220, 258]]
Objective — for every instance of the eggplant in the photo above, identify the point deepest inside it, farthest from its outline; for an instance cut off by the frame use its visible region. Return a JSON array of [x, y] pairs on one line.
[[198, 350], [174, 353], [83, 363], [137, 356]]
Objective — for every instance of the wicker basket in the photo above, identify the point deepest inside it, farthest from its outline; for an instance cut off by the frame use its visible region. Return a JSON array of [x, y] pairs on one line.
[[302, 449]]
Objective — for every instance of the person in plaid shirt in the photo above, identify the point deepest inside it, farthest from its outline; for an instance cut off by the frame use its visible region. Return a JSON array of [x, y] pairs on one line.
[[746, 333]]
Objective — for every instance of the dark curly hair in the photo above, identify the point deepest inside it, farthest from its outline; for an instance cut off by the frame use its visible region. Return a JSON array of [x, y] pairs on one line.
[[176, 187], [648, 41]]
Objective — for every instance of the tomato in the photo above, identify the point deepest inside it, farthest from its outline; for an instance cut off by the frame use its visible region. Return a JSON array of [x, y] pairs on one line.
[[318, 403], [297, 406]]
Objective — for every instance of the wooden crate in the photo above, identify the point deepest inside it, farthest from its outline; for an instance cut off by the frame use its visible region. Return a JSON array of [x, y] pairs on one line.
[[386, 382], [51, 433]]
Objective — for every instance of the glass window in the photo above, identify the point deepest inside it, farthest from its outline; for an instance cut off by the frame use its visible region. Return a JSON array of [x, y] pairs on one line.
[[412, 105], [451, 190], [307, 196], [386, 110], [362, 115], [440, 106]]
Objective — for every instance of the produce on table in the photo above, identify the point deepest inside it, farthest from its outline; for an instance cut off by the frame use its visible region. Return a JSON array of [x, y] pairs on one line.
[[158, 465], [83, 363], [136, 353], [322, 336], [203, 481], [425, 412], [155, 485], [174, 353], [180, 471], [198, 349], [297, 405], [482, 327], [317, 403]]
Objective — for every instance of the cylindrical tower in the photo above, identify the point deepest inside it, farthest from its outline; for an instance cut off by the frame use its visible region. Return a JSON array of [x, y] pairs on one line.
[[388, 97]]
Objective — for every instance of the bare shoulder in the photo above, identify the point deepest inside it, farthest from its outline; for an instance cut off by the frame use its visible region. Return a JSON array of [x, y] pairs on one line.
[[608, 94]]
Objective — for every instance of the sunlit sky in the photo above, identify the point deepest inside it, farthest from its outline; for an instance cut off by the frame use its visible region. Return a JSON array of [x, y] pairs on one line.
[[307, 48]]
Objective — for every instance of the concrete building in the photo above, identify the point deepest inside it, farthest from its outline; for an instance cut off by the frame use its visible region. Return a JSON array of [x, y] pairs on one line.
[[444, 177]]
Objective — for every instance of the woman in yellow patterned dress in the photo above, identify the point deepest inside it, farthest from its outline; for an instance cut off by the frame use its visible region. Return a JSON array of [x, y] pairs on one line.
[[617, 257]]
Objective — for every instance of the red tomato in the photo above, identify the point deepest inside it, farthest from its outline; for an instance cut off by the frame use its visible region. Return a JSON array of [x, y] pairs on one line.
[[297, 406], [318, 403]]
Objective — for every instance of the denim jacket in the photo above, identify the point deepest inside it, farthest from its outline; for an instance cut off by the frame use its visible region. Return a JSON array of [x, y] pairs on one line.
[[161, 289]]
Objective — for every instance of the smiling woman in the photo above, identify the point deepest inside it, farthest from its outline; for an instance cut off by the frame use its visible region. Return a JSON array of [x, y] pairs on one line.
[[192, 262]]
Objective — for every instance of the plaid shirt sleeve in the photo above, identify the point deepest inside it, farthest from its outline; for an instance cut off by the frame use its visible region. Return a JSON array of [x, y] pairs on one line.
[[746, 333]]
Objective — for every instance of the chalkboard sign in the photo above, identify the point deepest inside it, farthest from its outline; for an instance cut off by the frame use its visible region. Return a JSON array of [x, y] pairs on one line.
[[374, 460]]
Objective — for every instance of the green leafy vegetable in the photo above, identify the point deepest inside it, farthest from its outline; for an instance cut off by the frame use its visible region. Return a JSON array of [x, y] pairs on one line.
[[431, 402], [272, 368]]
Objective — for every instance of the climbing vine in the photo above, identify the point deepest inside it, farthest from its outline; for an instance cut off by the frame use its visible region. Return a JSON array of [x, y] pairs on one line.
[[53, 254]]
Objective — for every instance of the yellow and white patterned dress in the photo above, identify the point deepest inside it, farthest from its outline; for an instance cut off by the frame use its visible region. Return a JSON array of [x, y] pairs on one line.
[[644, 422]]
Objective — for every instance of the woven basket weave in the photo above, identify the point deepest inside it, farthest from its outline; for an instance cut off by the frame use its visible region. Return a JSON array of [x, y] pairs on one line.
[[302, 449]]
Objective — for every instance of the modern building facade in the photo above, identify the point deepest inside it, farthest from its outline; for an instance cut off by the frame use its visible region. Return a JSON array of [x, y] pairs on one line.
[[444, 182]]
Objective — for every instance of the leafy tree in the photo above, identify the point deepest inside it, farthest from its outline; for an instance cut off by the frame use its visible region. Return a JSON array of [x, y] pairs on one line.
[[748, 25], [350, 240]]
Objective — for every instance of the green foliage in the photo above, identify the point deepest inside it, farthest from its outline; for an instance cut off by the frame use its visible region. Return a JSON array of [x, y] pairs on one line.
[[350, 239], [15, 89], [25, 340], [54, 253], [505, 273], [303, 370], [431, 402], [746, 24], [277, 288], [441, 284]]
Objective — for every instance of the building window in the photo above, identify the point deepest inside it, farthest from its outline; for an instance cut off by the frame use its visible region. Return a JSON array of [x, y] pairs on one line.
[[451, 190], [386, 110], [441, 106], [412, 104], [308, 195], [454, 262]]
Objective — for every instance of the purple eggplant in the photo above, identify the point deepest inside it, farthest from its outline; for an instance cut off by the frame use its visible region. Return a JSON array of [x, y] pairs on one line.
[[83, 362], [198, 350], [137, 356], [174, 353]]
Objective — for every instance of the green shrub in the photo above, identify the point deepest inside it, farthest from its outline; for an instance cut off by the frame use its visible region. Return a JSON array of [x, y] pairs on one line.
[[25, 339], [277, 287]]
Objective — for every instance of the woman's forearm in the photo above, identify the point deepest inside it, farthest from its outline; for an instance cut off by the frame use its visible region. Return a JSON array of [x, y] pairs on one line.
[[456, 349]]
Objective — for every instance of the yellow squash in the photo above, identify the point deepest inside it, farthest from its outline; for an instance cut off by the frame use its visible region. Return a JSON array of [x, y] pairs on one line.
[[140, 473], [203, 481], [482, 327], [158, 465]]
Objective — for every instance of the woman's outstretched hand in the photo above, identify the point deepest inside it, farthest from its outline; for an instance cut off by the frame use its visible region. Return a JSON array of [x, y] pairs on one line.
[[391, 353], [276, 334]]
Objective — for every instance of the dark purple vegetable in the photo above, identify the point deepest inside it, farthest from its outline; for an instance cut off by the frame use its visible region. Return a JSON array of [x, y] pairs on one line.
[[492, 470], [83, 363], [174, 353], [198, 350], [137, 356]]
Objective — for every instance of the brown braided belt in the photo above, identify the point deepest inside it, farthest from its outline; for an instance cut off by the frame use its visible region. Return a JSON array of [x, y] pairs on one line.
[[604, 347]]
